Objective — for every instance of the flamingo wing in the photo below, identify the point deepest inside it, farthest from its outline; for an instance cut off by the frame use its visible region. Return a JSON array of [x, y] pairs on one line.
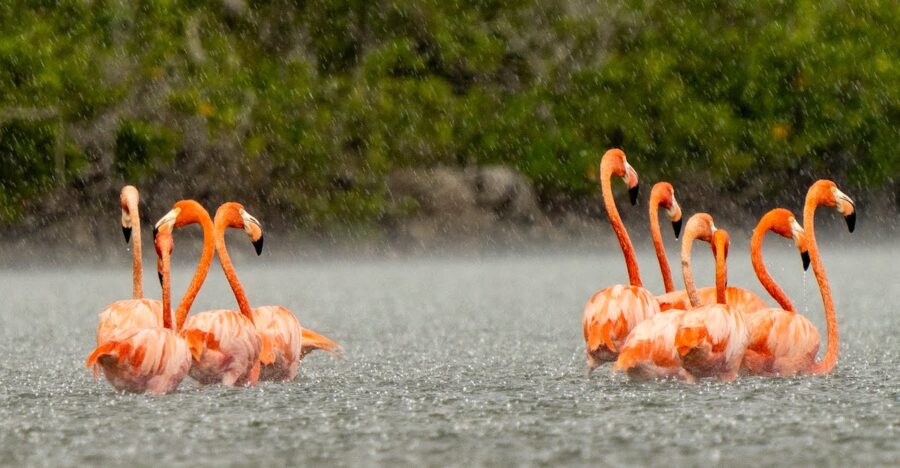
[[143, 359]]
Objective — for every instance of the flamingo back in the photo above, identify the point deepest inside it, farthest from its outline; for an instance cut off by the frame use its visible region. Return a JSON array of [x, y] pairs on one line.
[[609, 317], [127, 314], [138, 360], [782, 343], [649, 351], [281, 340], [224, 345], [711, 341], [744, 300]]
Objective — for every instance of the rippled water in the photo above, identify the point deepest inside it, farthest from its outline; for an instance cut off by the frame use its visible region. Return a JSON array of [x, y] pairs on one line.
[[449, 361]]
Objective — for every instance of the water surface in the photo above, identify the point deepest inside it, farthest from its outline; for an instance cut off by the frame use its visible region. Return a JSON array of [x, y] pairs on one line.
[[450, 360]]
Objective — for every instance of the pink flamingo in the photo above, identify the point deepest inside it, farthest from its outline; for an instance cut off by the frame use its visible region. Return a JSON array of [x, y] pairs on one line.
[[612, 312], [283, 342], [650, 351], [783, 342], [138, 312], [224, 343], [712, 338], [145, 359]]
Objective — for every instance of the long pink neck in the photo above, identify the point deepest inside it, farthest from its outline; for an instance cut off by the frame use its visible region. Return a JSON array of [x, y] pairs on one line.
[[658, 244], [721, 273], [634, 275], [829, 360], [228, 268], [759, 267], [686, 246], [203, 265], [167, 290], [137, 267]]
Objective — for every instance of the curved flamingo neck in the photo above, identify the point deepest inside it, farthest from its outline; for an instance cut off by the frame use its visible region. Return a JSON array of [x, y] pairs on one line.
[[634, 275], [756, 240], [658, 243], [137, 267], [828, 361], [686, 246], [221, 224], [203, 265]]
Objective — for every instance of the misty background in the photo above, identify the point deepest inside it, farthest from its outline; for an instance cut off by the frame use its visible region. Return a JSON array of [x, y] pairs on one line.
[[423, 121]]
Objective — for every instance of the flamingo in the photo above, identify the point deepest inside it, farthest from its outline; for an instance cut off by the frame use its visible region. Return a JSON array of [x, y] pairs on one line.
[[773, 349], [283, 342], [663, 194], [612, 312], [138, 312], [783, 342], [141, 359], [650, 351], [712, 338], [224, 344]]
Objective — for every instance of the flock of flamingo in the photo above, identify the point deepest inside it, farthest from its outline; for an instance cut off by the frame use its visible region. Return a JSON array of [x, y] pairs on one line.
[[719, 332], [141, 349]]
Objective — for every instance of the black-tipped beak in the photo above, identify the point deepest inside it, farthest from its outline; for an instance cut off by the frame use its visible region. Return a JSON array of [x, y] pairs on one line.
[[155, 231], [160, 277], [851, 221], [676, 226], [805, 256], [126, 231], [633, 194], [258, 245]]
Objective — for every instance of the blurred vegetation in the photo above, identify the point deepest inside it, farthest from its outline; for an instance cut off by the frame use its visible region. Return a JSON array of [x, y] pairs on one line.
[[305, 106]]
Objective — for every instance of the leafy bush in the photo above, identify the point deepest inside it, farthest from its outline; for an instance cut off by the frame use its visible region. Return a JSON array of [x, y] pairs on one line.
[[312, 103]]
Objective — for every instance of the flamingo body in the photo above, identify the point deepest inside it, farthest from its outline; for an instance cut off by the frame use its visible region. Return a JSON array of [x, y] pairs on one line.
[[649, 352], [281, 341], [609, 317], [742, 299], [139, 360], [126, 314], [284, 343], [225, 347], [711, 341], [782, 343]]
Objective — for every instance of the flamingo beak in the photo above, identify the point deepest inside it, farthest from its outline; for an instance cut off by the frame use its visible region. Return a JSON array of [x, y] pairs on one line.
[[805, 256], [631, 179], [126, 231], [155, 232], [851, 221], [160, 277], [633, 194], [253, 228], [676, 226]]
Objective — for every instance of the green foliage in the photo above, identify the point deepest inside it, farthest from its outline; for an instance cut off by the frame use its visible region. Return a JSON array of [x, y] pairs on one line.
[[141, 147], [317, 101]]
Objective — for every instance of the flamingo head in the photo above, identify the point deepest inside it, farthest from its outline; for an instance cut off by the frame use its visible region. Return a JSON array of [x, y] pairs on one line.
[[164, 244], [664, 194], [129, 198], [827, 193], [783, 223], [233, 215], [699, 226], [615, 162], [183, 213]]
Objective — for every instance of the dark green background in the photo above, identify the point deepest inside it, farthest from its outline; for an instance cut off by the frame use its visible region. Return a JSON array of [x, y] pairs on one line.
[[303, 107]]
